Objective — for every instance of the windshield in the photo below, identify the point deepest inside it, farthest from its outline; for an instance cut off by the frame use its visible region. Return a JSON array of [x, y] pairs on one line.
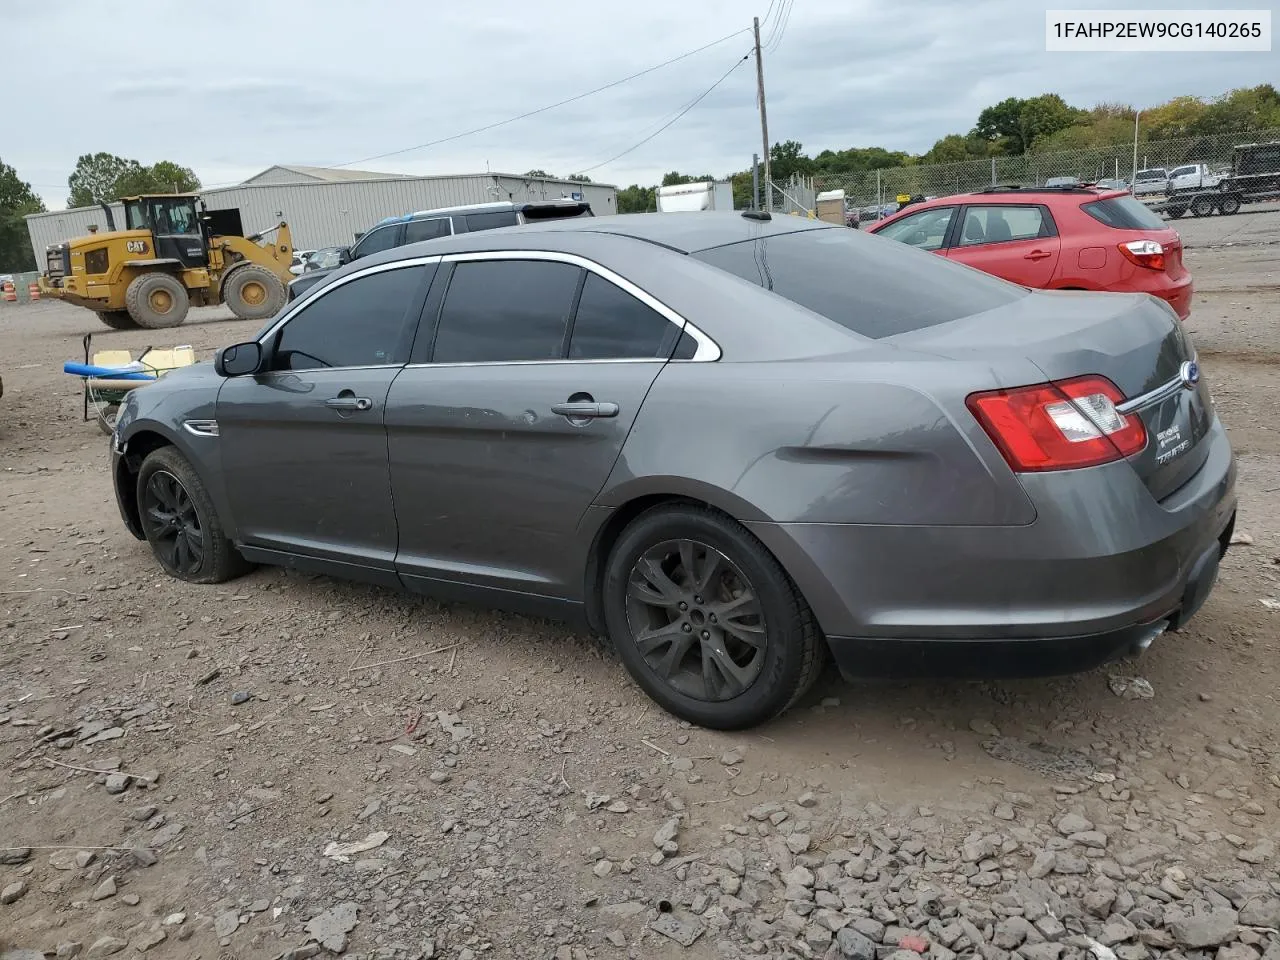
[[871, 285]]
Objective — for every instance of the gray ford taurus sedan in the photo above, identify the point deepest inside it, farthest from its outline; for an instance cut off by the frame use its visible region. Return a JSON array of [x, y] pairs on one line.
[[730, 444]]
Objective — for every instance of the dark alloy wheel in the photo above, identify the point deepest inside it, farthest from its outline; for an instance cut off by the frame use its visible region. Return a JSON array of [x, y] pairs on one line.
[[172, 525], [181, 523], [696, 620], [705, 619]]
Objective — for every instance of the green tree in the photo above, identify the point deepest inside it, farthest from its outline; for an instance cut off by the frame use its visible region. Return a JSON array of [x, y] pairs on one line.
[[104, 177], [539, 172], [675, 178], [578, 178], [788, 158], [1044, 116], [637, 199], [95, 178], [167, 176], [956, 148], [1000, 124], [17, 199]]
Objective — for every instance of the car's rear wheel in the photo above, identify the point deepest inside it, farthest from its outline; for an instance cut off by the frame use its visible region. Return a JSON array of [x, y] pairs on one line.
[[180, 522], [1202, 207], [706, 620], [1230, 205]]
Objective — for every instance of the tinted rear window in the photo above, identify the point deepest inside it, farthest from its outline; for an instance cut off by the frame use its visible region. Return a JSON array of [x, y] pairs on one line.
[[874, 286], [1123, 213], [491, 221]]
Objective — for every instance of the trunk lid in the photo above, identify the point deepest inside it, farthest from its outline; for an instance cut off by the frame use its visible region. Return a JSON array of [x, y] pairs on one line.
[[1135, 341]]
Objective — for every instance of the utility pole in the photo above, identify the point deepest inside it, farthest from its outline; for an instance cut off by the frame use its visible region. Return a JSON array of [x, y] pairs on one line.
[[1133, 183], [764, 118]]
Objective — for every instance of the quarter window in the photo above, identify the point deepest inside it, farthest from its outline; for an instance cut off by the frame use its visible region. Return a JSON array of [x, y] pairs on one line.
[[499, 311], [611, 324], [491, 221], [416, 230], [1000, 224], [925, 230], [364, 322], [375, 241]]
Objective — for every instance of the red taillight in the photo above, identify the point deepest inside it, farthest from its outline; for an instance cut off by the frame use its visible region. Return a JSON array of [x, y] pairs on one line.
[[1145, 253], [1059, 426]]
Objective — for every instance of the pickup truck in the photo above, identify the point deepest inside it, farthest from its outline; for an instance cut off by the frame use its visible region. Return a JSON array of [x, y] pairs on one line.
[[1193, 176], [1254, 178], [1152, 180]]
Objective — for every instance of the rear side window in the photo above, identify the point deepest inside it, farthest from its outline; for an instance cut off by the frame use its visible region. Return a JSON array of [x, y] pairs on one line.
[[611, 324], [872, 287], [499, 311], [416, 230], [1123, 213], [375, 241], [491, 221]]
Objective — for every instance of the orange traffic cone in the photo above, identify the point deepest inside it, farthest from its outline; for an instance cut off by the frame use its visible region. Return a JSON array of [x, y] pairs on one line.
[[10, 294], [33, 289]]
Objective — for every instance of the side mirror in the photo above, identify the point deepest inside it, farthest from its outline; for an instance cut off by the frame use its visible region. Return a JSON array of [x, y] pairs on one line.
[[239, 360], [344, 256]]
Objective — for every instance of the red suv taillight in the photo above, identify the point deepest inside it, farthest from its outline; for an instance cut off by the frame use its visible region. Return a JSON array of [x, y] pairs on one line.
[[1145, 253], [1059, 426]]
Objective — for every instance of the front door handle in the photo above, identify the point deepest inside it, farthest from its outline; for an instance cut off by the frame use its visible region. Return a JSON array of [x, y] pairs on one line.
[[348, 403], [585, 410], [1037, 255]]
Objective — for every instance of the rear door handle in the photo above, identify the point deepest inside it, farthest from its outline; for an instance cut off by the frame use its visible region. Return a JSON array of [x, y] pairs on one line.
[[1037, 255], [585, 410], [349, 403]]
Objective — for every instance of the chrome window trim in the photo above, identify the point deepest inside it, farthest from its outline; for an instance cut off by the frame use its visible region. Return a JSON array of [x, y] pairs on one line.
[[364, 272], [525, 363], [708, 351], [1152, 397]]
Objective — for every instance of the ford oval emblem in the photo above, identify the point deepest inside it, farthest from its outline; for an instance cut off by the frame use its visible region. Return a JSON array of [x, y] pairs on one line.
[[1190, 374]]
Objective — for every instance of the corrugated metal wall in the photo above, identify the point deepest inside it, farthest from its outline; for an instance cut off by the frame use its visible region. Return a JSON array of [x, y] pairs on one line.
[[327, 213]]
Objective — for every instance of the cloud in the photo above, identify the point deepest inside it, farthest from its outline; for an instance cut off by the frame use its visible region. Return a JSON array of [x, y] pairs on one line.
[[329, 82]]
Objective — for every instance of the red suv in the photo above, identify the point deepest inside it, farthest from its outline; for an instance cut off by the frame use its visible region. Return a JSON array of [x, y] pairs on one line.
[[1064, 238]]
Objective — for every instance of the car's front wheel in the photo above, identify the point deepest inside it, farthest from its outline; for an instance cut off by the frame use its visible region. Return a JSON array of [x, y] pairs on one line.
[[180, 522], [706, 620]]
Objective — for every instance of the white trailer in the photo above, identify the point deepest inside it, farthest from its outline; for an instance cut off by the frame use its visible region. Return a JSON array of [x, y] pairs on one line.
[[706, 195]]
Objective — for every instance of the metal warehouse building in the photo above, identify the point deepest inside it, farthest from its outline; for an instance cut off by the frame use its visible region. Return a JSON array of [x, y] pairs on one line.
[[326, 207]]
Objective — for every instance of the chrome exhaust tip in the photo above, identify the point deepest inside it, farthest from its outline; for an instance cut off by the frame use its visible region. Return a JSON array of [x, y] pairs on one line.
[[1145, 640]]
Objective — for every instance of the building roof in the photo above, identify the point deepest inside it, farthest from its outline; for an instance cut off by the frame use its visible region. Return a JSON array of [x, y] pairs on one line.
[[328, 174]]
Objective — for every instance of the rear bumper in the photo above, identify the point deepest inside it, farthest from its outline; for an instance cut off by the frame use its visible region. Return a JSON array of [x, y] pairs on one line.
[[1102, 566]]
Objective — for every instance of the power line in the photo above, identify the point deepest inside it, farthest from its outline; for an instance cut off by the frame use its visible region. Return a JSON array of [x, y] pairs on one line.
[[696, 100], [552, 106], [783, 21]]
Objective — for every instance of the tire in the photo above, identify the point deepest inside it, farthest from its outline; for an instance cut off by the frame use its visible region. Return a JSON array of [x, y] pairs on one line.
[[117, 319], [181, 523], [254, 293], [1229, 205], [157, 300], [1176, 212], [775, 669], [106, 418], [1202, 207]]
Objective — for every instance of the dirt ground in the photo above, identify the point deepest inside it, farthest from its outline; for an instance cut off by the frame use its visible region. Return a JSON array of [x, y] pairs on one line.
[[513, 790]]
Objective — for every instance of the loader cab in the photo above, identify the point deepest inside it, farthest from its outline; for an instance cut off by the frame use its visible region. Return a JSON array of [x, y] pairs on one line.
[[174, 223]]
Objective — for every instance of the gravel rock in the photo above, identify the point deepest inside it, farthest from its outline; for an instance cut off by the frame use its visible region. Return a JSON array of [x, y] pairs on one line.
[[667, 832], [1011, 932], [106, 947], [1204, 930], [854, 945], [1117, 930], [106, 889], [1260, 852], [330, 928], [118, 782], [13, 892], [1237, 951], [1261, 912], [226, 923], [15, 857], [1073, 823]]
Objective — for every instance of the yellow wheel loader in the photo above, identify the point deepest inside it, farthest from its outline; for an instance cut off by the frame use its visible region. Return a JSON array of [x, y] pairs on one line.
[[172, 253]]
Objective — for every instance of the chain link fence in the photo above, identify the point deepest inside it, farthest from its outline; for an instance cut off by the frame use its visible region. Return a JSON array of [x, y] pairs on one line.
[[875, 192]]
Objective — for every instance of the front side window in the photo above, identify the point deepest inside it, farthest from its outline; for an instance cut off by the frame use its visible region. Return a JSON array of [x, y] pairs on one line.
[[611, 324], [499, 311], [416, 230], [1182, 172], [364, 322], [1000, 224], [375, 241], [926, 230]]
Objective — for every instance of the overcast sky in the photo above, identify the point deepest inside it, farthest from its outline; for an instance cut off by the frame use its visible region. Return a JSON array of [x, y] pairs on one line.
[[230, 92]]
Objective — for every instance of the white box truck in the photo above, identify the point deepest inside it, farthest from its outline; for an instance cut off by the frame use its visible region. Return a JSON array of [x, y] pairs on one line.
[[706, 195]]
